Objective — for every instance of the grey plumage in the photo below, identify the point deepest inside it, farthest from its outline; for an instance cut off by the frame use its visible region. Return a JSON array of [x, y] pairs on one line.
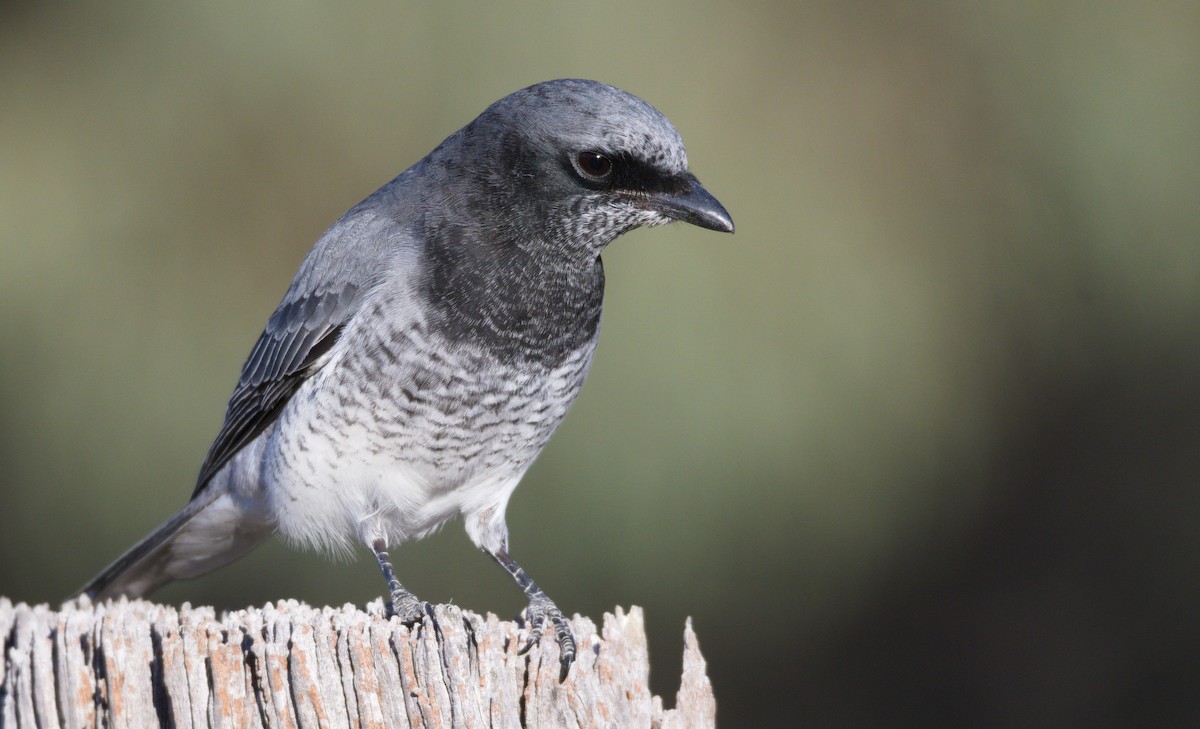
[[431, 342]]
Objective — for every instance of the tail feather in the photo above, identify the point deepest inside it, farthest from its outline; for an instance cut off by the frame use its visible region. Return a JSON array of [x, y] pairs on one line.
[[213, 530]]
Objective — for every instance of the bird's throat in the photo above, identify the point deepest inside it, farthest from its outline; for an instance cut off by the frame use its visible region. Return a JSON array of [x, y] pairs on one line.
[[520, 306]]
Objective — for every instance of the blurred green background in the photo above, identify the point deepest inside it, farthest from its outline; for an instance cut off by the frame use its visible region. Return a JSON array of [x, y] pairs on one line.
[[919, 446]]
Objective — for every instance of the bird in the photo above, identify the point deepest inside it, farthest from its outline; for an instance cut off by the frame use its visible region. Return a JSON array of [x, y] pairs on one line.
[[429, 345]]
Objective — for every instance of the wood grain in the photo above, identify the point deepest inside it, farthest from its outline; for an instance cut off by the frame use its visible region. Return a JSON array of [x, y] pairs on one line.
[[292, 666]]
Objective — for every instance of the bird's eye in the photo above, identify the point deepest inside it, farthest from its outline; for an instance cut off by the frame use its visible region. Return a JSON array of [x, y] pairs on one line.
[[594, 165]]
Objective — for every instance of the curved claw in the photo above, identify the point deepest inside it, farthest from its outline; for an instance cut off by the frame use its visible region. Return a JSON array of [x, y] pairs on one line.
[[409, 608], [404, 604], [540, 608]]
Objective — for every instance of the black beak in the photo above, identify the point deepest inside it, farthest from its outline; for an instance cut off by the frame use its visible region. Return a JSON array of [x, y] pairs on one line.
[[694, 205]]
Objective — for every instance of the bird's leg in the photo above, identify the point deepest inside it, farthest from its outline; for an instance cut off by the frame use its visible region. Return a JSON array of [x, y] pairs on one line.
[[540, 609], [404, 604]]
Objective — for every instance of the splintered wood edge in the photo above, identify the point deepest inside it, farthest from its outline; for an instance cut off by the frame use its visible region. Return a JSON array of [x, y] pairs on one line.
[[288, 664]]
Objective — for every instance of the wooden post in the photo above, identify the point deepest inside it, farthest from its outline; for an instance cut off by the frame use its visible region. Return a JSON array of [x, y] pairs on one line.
[[138, 664]]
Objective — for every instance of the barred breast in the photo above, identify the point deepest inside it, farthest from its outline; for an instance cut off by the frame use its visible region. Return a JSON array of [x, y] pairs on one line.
[[406, 429]]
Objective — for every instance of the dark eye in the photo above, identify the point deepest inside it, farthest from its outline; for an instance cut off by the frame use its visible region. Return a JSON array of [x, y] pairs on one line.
[[594, 164]]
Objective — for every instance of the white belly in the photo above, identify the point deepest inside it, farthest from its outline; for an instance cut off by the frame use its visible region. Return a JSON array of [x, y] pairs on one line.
[[350, 463]]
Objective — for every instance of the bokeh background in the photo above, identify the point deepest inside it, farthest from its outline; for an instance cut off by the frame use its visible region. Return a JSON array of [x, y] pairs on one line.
[[918, 446]]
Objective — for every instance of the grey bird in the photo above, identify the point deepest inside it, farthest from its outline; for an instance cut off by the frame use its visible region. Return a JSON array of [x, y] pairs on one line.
[[430, 344]]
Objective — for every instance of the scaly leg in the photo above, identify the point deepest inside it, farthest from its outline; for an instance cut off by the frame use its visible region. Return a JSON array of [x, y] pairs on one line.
[[405, 605], [540, 609]]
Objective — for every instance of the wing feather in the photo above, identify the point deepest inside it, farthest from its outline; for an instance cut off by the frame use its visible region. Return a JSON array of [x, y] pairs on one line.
[[327, 291], [281, 360]]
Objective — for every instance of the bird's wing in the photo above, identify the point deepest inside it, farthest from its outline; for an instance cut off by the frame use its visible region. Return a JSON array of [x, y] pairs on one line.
[[328, 289], [298, 333]]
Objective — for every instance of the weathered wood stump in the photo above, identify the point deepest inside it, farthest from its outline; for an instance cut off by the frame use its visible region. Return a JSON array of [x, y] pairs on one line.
[[138, 664]]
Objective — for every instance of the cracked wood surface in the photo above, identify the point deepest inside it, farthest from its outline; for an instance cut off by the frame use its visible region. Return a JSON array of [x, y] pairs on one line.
[[139, 664]]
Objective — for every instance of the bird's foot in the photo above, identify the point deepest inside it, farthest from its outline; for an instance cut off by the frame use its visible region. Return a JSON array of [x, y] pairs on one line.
[[404, 604], [541, 609], [408, 607]]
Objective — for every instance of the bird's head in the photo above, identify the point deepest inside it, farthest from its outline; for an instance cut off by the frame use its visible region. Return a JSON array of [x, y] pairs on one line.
[[577, 163]]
